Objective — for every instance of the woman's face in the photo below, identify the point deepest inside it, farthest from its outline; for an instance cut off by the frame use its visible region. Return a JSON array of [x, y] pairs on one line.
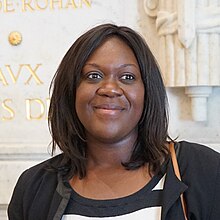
[[110, 96]]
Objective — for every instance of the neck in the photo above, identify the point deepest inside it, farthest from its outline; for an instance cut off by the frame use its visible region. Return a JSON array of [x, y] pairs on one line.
[[109, 155]]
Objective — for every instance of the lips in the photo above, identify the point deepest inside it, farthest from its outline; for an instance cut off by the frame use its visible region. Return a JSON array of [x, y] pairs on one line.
[[109, 107], [112, 110]]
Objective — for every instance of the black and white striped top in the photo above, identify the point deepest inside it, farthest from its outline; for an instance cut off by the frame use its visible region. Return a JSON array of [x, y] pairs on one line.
[[144, 204]]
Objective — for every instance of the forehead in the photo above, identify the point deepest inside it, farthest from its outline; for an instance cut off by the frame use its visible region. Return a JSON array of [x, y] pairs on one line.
[[113, 48]]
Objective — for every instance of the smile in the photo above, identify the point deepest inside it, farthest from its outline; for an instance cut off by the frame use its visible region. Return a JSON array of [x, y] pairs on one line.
[[108, 109]]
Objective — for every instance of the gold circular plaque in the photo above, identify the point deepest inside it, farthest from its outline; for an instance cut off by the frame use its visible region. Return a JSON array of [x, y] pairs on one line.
[[15, 38]]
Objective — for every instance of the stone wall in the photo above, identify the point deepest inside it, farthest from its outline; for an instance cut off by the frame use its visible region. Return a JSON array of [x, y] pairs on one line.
[[42, 31]]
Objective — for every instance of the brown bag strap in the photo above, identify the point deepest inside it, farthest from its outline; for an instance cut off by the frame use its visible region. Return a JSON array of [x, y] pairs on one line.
[[177, 173]]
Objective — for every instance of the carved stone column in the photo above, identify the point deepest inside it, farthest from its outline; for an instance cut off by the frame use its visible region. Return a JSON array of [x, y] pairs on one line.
[[189, 47]]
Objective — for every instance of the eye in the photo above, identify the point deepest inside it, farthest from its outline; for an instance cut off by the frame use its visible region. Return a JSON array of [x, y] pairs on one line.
[[93, 76], [128, 77]]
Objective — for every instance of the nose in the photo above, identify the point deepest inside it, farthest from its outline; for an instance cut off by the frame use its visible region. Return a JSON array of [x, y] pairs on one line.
[[110, 88]]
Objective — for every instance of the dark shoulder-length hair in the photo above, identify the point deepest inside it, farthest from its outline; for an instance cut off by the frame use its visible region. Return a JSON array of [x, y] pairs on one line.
[[67, 131]]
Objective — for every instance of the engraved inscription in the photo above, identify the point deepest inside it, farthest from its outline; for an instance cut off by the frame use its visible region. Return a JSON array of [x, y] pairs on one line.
[[37, 109], [10, 114], [34, 108], [10, 6], [29, 72]]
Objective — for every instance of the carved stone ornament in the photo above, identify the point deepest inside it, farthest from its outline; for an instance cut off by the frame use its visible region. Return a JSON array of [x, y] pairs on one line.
[[189, 45]]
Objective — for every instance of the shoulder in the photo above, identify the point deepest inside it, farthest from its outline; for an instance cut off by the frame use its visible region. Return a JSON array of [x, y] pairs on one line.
[[44, 170], [196, 153], [36, 185], [199, 166], [198, 159], [200, 171]]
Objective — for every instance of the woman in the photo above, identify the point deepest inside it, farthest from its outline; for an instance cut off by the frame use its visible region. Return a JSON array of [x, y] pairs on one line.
[[108, 115]]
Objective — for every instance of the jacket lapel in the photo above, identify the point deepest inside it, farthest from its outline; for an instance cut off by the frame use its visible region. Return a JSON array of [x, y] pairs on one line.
[[173, 188], [59, 201]]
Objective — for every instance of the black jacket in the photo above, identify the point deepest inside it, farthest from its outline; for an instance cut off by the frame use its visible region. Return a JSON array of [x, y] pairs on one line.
[[42, 195]]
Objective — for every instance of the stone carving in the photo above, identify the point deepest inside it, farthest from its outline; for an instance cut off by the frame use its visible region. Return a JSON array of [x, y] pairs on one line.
[[189, 51]]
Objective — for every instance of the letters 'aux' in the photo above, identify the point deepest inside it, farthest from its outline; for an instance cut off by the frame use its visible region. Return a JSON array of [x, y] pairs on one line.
[[22, 68]]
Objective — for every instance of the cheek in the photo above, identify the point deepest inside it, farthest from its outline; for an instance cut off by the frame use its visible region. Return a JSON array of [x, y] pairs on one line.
[[84, 95], [138, 100], [80, 100], [140, 107]]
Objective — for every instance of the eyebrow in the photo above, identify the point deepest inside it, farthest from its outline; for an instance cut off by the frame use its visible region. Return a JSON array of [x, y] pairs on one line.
[[121, 66]]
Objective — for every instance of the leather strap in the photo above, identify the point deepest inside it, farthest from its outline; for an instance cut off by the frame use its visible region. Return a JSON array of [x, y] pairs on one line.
[[177, 173]]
